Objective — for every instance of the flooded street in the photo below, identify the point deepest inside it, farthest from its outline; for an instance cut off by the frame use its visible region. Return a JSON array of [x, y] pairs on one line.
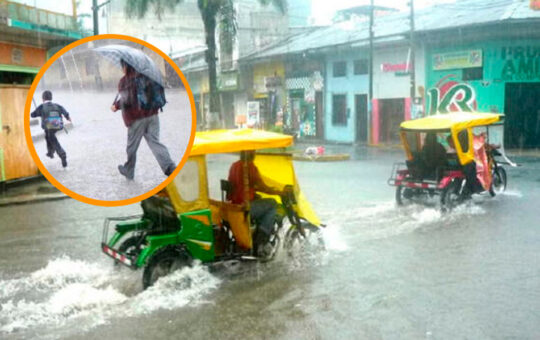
[[386, 273]]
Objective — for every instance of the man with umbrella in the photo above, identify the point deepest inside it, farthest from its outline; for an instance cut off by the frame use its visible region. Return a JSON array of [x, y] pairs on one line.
[[140, 119]]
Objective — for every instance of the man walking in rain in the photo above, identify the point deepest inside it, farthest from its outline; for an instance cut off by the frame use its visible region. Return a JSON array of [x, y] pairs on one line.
[[141, 122], [51, 122]]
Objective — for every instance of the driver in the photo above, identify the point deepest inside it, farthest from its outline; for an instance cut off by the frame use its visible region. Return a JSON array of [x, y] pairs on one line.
[[262, 210], [434, 154]]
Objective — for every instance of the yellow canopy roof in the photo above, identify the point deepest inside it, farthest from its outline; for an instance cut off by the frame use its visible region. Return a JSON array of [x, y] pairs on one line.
[[220, 141], [454, 120]]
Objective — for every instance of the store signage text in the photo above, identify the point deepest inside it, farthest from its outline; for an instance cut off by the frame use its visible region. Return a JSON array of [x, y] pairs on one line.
[[401, 68], [520, 63]]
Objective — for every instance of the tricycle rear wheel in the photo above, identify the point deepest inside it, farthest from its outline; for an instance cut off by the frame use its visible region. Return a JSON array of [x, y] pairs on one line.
[[404, 195], [450, 196], [165, 261]]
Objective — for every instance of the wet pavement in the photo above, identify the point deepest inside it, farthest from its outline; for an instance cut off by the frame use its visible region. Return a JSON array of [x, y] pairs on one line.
[[96, 145], [387, 273], [29, 191]]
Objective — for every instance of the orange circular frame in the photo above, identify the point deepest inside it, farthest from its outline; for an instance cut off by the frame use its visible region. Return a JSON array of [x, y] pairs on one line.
[[43, 169]]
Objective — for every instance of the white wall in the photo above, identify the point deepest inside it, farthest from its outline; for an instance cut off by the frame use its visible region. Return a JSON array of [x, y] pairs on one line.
[[387, 84]]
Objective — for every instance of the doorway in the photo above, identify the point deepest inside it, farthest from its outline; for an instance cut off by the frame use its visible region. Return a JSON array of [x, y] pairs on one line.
[[319, 114], [522, 115], [360, 104], [392, 113]]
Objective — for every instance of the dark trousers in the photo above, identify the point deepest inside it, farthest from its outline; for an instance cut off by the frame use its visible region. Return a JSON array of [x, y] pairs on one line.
[[473, 184], [149, 129], [53, 145], [263, 211]]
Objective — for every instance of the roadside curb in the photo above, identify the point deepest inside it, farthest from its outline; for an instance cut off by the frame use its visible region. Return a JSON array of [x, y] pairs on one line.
[[30, 198], [322, 158]]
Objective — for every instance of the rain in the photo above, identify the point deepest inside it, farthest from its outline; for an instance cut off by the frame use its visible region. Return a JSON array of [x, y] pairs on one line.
[[376, 241]]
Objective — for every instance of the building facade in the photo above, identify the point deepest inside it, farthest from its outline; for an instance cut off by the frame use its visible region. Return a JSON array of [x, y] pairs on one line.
[[27, 36], [500, 75]]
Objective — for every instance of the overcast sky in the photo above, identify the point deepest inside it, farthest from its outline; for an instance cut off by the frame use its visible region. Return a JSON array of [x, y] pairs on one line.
[[322, 10]]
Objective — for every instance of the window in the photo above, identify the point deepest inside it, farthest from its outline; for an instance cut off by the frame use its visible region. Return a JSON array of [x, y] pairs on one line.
[[17, 78], [463, 138], [473, 73], [361, 66], [187, 182], [339, 109], [339, 69]]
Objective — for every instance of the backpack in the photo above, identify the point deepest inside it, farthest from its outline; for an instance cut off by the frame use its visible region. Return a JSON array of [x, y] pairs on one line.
[[52, 117], [150, 95]]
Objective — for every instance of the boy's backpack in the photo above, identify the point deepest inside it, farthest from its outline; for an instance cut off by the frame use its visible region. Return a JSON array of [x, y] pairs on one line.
[[52, 117], [150, 95]]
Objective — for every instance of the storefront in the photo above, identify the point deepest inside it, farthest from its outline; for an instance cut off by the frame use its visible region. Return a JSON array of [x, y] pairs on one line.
[[392, 90], [304, 110], [346, 86], [497, 76], [269, 92]]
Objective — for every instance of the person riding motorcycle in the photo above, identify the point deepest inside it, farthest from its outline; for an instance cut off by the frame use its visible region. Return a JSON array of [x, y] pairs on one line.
[[262, 210]]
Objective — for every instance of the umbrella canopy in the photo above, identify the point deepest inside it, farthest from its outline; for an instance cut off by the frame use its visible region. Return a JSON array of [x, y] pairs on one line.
[[142, 63]]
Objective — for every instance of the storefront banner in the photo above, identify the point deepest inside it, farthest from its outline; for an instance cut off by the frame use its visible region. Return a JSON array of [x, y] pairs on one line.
[[457, 60], [253, 114]]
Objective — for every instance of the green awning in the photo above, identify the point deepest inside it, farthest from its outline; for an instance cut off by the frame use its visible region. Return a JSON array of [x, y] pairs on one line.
[[19, 68]]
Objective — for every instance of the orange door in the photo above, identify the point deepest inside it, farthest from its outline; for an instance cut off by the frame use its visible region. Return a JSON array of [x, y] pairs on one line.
[[15, 159]]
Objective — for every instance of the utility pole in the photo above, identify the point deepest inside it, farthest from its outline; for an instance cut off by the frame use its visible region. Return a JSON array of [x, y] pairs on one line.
[[95, 13], [370, 94], [411, 47]]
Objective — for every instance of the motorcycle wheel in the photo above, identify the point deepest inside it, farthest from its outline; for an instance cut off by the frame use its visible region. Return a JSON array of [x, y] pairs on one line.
[[295, 242], [498, 183]]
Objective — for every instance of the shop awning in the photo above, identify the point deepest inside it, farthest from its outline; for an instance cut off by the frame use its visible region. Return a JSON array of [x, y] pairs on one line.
[[18, 68]]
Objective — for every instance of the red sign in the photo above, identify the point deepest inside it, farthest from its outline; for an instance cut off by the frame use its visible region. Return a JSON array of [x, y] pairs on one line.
[[535, 5], [403, 67]]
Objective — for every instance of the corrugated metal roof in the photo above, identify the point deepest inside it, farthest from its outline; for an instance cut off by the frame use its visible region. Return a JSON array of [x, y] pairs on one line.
[[462, 13]]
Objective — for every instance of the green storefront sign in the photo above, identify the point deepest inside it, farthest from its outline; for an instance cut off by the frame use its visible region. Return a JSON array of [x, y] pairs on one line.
[[227, 81]]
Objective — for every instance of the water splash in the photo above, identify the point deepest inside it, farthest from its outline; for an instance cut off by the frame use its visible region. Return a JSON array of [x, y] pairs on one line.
[[176, 290], [68, 290]]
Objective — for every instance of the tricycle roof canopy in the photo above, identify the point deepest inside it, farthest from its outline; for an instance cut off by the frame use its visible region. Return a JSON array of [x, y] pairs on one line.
[[221, 141], [454, 120]]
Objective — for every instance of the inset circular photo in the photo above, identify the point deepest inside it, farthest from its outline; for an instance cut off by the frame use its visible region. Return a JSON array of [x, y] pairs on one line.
[[109, 119]]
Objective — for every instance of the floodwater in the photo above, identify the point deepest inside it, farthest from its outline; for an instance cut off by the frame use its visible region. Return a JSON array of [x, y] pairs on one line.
[[96, 145], [386, 273]]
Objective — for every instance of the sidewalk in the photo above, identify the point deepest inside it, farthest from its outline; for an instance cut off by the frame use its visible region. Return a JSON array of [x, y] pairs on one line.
[[29, 191]]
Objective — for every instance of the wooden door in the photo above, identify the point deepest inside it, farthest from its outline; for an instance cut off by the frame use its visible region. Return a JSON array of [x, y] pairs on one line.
[[16, 161]]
